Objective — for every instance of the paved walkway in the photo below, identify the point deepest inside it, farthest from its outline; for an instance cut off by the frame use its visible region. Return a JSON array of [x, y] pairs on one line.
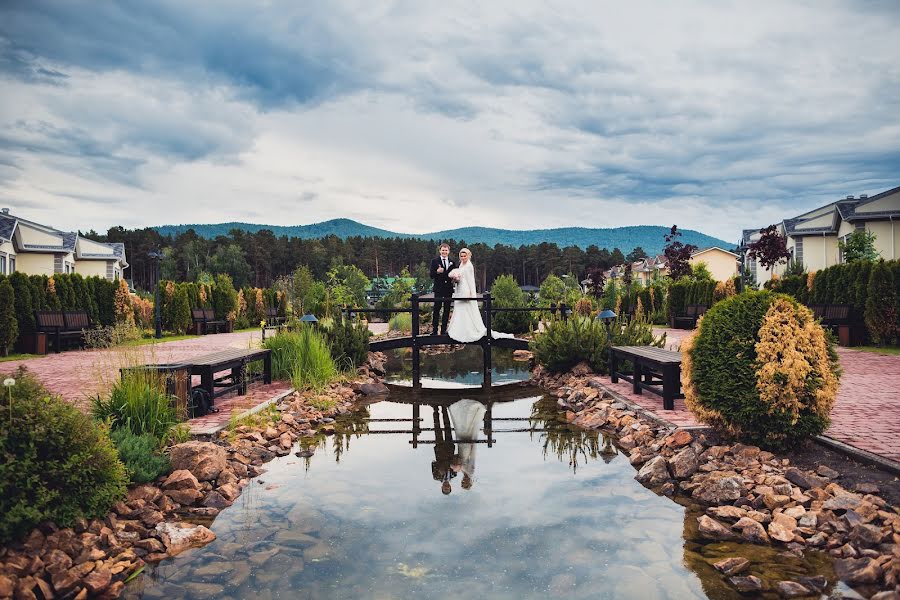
[[866, 414]]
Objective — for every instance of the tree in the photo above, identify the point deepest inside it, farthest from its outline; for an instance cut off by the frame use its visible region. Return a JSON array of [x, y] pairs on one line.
[[595, 279], [553, 290], [9, 327], [627, 275], [636, 255], [303, 281], [224, 298], [770, 249], [859, 245], [24, 306], [701, 272], [230, 259], [181, 310], [678, 254], [881, 303], [422, 274], [506, 293]]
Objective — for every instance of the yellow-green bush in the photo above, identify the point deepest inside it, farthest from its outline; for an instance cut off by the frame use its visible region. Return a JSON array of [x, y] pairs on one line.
[[760, 368]]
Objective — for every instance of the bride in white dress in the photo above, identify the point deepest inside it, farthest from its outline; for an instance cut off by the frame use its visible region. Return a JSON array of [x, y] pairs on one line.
[[468, 418], [466, 324]]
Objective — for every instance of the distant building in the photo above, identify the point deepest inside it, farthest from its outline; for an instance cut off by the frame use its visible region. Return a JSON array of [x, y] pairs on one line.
[[36, 249], [722, 264], [812, 237]]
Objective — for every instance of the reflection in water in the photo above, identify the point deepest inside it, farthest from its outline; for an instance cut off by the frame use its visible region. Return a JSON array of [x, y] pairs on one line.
[[371, 523], [460, 368]]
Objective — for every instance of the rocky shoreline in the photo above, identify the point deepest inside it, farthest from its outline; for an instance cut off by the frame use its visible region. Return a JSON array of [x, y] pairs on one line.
[[95, 558], [749, 495]]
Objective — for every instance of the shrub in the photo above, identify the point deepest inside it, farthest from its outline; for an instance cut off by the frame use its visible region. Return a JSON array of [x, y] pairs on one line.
[[349, 342], [564, 344], [225, 298], [9, 327], [139, 403], [56, 463], [506, 293], [400, 322], [140, 455], [302, 356], [181, 310], [760, 368], [584, 307], [881, 304], [23, 299]]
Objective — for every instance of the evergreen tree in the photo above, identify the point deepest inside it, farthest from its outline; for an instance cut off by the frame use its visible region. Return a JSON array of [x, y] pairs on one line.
[[9, 328], [859, 245], [861, 288], [24, 308], [181, 310], [881, 303]]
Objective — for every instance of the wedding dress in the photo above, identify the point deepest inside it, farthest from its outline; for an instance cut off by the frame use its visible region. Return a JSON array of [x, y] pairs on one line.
[[466, 324], [467, 417]]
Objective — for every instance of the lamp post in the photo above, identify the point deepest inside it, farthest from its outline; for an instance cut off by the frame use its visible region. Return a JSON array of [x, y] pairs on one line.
[[155, 255], [607, 316], [308, 318]]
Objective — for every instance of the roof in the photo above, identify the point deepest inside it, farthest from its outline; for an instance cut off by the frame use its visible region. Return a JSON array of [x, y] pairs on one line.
[[69, 239], [698, 252], [7, 227]]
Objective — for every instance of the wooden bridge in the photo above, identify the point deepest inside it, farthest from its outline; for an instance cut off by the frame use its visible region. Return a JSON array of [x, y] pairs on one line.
[[416, 341]]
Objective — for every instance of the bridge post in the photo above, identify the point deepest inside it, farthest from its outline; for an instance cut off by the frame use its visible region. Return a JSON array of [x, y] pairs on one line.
[[486, 346], [416, 366], [488, 425], [416, 428]]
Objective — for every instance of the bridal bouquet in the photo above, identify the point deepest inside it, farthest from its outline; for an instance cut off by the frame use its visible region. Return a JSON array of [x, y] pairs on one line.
[[455, 275]]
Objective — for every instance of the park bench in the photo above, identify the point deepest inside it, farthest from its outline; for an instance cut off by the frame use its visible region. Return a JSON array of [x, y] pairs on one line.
[[841, 321], [62, 327], [688, 320], [204, 320], [272, 317], [653, 369]]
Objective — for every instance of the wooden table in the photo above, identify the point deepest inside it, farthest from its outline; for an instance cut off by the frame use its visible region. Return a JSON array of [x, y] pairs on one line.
[[235, 361], [652, 367]]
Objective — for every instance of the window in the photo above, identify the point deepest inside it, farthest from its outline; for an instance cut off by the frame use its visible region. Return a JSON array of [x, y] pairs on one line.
[[2, 264], [861, 225], [798, 251], [12, 264]]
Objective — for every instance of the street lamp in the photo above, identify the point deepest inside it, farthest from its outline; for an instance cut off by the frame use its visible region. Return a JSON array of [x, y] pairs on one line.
[[156, 255], [308, 318], [607, 316]]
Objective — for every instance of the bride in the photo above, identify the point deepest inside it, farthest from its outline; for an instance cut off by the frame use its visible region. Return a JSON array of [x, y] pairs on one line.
[[466, 324]]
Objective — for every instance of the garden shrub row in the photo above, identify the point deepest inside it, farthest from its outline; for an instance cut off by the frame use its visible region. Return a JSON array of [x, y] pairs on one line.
[[685, 292]]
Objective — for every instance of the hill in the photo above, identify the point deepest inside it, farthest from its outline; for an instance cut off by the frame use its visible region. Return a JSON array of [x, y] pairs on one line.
[[648, 237]]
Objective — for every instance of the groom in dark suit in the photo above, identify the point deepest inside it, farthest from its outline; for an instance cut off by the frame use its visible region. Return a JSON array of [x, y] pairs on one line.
[[443, 288]]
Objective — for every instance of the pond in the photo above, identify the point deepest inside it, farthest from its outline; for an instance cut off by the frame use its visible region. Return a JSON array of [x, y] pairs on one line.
[[512, 503]]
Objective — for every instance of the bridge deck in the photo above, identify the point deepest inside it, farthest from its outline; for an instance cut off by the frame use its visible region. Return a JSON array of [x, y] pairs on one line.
[[438, 340]]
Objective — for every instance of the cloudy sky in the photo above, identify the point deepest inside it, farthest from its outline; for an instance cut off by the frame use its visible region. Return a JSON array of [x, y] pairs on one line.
[[416, 116]]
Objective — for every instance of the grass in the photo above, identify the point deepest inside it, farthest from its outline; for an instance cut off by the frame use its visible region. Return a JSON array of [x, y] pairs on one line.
[[303, 357], [18, 357], [152, 340], [889, 350], [400, 322], [270, 415]]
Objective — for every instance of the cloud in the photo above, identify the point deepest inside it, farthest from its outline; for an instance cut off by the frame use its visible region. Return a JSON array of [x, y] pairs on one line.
[[519, 115]]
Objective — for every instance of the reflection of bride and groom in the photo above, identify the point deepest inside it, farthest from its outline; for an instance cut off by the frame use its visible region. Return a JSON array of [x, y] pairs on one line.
[[458, 281], [452, 457]]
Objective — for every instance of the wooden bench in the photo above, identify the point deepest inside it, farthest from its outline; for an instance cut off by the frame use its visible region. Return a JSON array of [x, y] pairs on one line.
[[839, 318], [204, 319], [688, 320], [62, 326], [235, 363], [654, 369], [272, 317]]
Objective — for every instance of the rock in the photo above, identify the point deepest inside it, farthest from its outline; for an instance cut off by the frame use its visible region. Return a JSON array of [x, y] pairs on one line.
[[866, 535], [680, 438], [98, 581], [722, 490], [285, 441], [792, 589], [150, 545], [582, 369], [150, 517], [803, 479], [782, 527], [727, 512], [184, 497], [748, 584], [522, 355], [147, 493], [204, 459], [685, 463], [857, 570], [24, 589], [57, 561], [374, 389], [229, 491], [654, 472], [732, 566], [64, 582], [216, 500], [817, 583], [6, 586], [795, 512], [35, 541], [45, 587], [179, 537], [867, 488], [843, 501], [113, 591], [826, 471], [713, 530], [752, 531]]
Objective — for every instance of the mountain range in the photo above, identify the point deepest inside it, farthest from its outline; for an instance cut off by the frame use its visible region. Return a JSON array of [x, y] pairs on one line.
[[648, 237]]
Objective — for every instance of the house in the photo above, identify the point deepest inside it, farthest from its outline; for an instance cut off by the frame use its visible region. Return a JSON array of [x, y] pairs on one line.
[[721, 263], [36, 249], [813, 237]]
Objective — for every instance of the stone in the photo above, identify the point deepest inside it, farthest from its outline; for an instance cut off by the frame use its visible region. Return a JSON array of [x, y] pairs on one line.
[[522, 355], [732, 566], [866, 535], [752, 531], [64, 582], [843, 501], [685, 463], [57, 561], [286, 441], [181, 480], [721, 490], [6, 586], [184, 497], [98, 581], [179, 537], [374, 389], [582, 369], [727, 512], [204, 459], [795, 512], [654, 472], [680, 438], [748, 584], [216, 500], [867, 488], [45, 587], [150, 517], [773, 501], [229, 491], [817, 583], [826, 471], [35, 541], [803, 479], [713, 530], [782, 527], [819, 539], [24, 589], [150, 545], [113, 591], [146, 492], [792, 589], [857, 570]]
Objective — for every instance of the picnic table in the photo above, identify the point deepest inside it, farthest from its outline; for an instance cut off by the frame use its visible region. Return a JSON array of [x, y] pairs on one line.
[[653, 369], [234, 361]]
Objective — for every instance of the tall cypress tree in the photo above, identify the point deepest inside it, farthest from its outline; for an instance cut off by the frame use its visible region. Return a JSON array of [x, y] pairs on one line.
[[9, 327], [881, 303]]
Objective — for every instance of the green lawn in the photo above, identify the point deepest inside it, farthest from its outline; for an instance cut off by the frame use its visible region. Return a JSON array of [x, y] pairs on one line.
[[17, 357], [893, 350]]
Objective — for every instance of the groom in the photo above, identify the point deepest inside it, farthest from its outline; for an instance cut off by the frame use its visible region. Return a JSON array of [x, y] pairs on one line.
[[443, 288]]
